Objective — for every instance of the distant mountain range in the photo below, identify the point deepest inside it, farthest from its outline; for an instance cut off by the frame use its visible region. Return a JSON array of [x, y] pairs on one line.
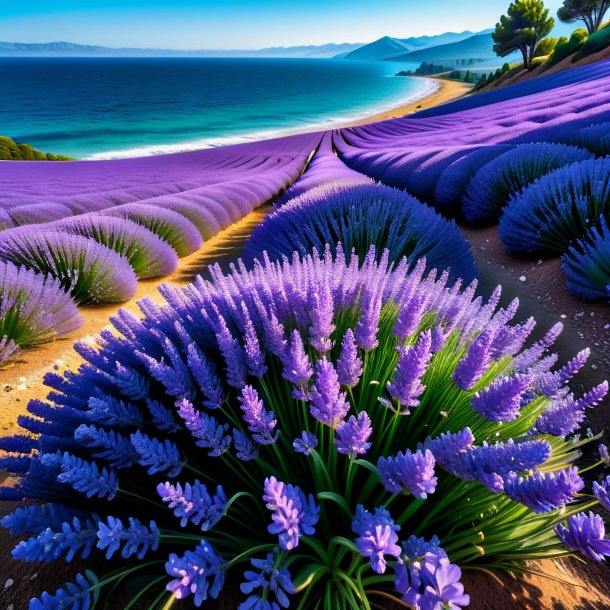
[[388, 47], [69, 49]]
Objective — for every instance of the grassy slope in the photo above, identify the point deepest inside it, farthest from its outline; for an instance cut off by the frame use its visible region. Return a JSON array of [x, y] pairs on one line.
[[11, 151]]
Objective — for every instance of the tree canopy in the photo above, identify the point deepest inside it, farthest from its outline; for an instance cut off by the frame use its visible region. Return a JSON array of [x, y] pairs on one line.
[[590, 11], [526, 23]]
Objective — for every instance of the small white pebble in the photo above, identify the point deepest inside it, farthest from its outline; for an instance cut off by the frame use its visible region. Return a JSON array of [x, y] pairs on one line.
[[563, 316], [22, 386], [606, 326], [522, 278], [540, 261], [8, 583], [22, 380], [592, 314], [594, 367], [59, 362]]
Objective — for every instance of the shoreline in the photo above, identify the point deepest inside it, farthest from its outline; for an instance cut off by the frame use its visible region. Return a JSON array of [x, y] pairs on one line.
[[443, 91]]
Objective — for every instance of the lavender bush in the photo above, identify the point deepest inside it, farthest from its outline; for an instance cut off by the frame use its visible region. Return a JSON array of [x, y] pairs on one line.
[[551, 214], [310, 432], [33, 309], [358, 216], [148, 254], [91, 272], [181, 234], [587, 264], [494, 184]]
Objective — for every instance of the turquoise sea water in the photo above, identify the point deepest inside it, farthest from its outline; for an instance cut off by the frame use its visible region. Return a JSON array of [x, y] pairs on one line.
[[113, 107]]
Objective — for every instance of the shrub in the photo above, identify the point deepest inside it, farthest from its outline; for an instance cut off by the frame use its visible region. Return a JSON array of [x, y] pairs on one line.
[[180, 444], [358, 217], [537, 61], [545, 47], [91, 272], [568, 47], [595, 138], [33, 309], [38, 213], [551, 214], [11, 151], [587, 264], [199, 214], [148, 254], [492, 185], [596, 42], [181, 234]]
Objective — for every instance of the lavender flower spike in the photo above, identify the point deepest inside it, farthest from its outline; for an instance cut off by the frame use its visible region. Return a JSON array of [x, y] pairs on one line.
[[501, 400], [349, 364], [406, 386], [328, 403], [475, 362], [260, 422], [587, 534], [269, 578], [321, 315], [137, 539], [296, 366], [602, 492], [306, 443], [352, 435], [411, 471], [377, 536]]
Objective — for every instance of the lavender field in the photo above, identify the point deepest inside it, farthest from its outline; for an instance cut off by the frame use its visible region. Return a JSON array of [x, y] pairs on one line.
[[345, 418]]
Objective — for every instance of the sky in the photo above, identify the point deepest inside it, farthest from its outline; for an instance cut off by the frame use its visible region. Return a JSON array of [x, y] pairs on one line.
[[239, 24]]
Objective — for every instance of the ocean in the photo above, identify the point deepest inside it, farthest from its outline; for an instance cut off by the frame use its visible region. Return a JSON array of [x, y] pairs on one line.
[[120, 107]]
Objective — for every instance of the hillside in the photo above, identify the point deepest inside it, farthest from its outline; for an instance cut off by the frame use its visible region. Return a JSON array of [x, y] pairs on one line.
[[11, 151], [69, 49], [388, 46]]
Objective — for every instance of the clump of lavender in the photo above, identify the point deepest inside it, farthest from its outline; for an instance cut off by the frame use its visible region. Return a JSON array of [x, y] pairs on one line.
[[312, 429]]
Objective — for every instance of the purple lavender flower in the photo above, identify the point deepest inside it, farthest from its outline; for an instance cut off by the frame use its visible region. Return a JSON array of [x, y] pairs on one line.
[[233, 354], [269, 578], [353, 434], [602, 492], [294, 514], [246, 449], [604, 456], [368, 325], [410, 316], [449, 450], [204, 373], [260, 422], [159, 456], [321, 316], [543, 492], [406, 386], [421, 550], [501, 400], [439, 587], [306, 443], [587, 534], [210, 433], [376, 536], [349, 364], [328, 403], [476, 360], [72, 595], [411, 471], [194, 504], [255, 359], [296, 366], [193, 573], [137, 539]]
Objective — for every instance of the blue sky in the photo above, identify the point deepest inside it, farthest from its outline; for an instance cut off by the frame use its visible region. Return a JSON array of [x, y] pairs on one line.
[[239, 24]]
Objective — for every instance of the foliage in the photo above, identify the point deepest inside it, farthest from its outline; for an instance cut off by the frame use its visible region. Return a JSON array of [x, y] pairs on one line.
[[587, 264], [494, 183], [33, 308], [598, 41], [590, 11], [545, 47], [91, 272], [358, 217], [388, 397], [564, 48], [551, 214], [11, 151], [526, 23]]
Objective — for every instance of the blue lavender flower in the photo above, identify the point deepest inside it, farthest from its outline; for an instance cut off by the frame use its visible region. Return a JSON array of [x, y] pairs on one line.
[[74, 537], [602, 492], [260, 422], [77, 596], [193, 573], [194, 504], [110, 445], [269, 578], [406, 386], [210, 433], [158, 456], [306, 443], [349, 364], [353, 434], [245, 448], [475, 361], [501, 400], [84, 476], [587, 534], [204, 374], [107, 410], [328, 403], [137, 539], [161, 416], [604, 456], [420, 550], [294, 514], [37, 517], [411, 471], [449, 450], [543, 492], [377, 536]]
